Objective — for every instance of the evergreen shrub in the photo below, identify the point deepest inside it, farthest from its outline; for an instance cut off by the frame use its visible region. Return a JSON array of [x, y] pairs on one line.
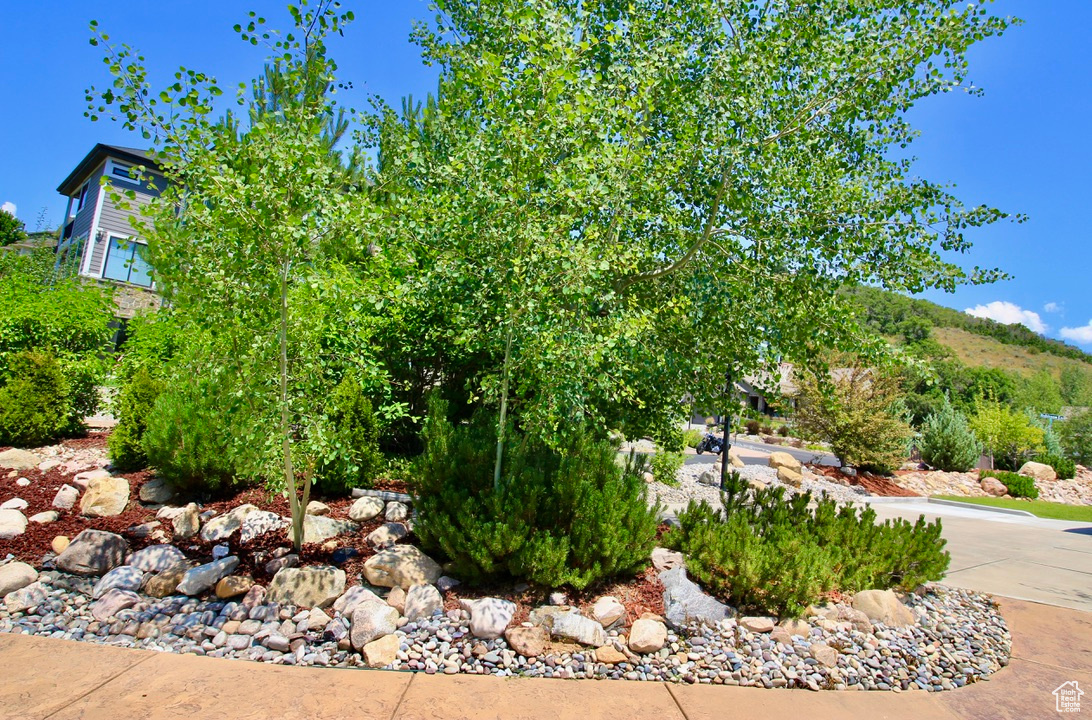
[[947, 442], [1019, 486], [771, 554], [134, 407], [34, 408], [569, 516], [353, 459]]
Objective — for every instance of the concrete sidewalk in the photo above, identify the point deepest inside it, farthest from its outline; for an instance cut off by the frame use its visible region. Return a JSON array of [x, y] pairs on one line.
[[61, 680]]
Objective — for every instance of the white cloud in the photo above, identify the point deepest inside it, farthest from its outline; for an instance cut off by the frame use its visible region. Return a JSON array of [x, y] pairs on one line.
[[1053, 307], [1009, 313], [1081, 335], [8, 207]]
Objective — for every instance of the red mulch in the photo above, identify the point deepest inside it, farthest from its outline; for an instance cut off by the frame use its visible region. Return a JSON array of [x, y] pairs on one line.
[[875, 484]]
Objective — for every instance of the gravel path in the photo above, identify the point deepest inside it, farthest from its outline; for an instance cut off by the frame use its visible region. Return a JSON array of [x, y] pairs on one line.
[[959, 638], [690, 489]]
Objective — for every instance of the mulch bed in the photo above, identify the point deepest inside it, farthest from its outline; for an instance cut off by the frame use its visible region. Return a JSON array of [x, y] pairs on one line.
[[874, 484]]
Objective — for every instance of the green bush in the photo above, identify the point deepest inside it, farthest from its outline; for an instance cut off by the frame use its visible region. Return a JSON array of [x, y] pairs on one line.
[[134, 408], [665, 466], [153, 340], [354, 459], [188, 438], [1075, 436], [34, 407], [1019, 486], [1065, 468], [769, 554], [947, 442], [753, 427], [570, 516], [692, 438]]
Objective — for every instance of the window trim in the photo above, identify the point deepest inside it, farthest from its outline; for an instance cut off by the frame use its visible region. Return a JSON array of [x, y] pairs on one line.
[[107, 238], [112, 168], [81, 199]]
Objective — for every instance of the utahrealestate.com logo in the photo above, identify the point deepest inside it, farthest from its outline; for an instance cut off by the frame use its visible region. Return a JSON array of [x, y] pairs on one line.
[[1067, 697]]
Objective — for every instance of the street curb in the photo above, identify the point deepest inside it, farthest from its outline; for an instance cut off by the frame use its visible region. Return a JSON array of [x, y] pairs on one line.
[[988, 508], [887, 500]]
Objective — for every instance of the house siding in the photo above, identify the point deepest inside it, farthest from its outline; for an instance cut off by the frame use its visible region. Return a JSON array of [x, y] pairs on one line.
[[113, 219], [86, 216]]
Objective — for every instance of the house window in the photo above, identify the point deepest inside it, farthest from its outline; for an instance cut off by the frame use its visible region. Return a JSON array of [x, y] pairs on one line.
[[125, 262], [120, 171], [83, 196]]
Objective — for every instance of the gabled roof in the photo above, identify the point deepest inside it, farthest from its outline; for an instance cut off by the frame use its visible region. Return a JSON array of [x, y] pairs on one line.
[[100, 152]]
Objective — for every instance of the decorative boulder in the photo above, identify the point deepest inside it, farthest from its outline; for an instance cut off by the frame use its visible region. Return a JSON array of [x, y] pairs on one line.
[[396, 598], [609, 655], [883, 606], [26, 598], [15, 576], [790, 476], [489, 617], [664, 559], [157, 558], [92, 552], [45, 517], [1039, 471], [105, 497], [382, 652], [166, 583], [371, 620], [224, 526], [14, 504], [113, 602], [123, 577], [528, 641], [16, 459], [401, 565], [317, 508], [608, 610], [824, 654], [396, 511], [758, 623], [386, 535], [317, 528], [66, 498], [685, 602], [353, 597], [156, 492], [647, 636], [734, 459], [311, 587], [993, 486], [781, 459], [233, 586], [365, 509], [201, 578], [12, 524], [571, 625], [260, 522], [187, 522], [422, 601]]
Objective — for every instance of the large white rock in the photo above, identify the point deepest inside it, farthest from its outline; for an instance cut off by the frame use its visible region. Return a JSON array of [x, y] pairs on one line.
[[105, 497], [372, 619], [157, 558], [489, 616], [571, 625], [12, 524], [647, 636], [224, 526], [14, 504], [365, 509], [15, 576], [318, 528], [396, 511], [307, 587], [386, 535], [203, 577], [92, 552], [66, 498], [382, 652], [16, 459], [187, 522], [156, 492], [422, 601], [1038, 471], [608, 610], [353, 597], [112, 602], [260, 522], [124, 577], [403, 566], [45, 517], [883, 606]]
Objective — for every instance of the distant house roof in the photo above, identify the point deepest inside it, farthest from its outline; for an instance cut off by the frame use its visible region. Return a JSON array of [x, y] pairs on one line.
[[100, 152]]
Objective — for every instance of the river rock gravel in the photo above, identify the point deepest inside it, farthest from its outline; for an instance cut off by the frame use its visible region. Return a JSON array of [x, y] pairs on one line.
[[688, 487]]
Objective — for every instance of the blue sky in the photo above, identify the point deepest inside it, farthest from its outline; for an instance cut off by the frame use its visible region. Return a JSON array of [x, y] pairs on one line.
[[1025, 147]]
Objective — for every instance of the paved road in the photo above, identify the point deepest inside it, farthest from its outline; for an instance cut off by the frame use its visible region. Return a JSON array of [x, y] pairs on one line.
[[804, 456], [1045, 561]]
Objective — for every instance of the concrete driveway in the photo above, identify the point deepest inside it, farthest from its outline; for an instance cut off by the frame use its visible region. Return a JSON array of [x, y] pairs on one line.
[[1044, 561]]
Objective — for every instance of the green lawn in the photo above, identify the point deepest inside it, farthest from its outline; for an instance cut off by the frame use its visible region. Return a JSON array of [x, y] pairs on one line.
[[1041, 508]]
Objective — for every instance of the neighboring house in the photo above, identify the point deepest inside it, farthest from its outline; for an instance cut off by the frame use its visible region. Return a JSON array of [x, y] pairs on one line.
[[34, 241], [96, 240]]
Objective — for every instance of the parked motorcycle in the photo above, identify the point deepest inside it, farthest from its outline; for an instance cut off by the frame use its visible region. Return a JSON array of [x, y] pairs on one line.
[[711, 443]]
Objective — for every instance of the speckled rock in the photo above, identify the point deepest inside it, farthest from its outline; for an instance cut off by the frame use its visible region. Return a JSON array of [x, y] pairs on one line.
[[105, 497], [93, 552], [489, 617], [401, 565], [317, 586], [371, 620], [157, 558], [647, 636], [365, 509]]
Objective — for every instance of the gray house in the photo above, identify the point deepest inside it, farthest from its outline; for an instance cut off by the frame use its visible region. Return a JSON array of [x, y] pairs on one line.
[[96, 240]]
